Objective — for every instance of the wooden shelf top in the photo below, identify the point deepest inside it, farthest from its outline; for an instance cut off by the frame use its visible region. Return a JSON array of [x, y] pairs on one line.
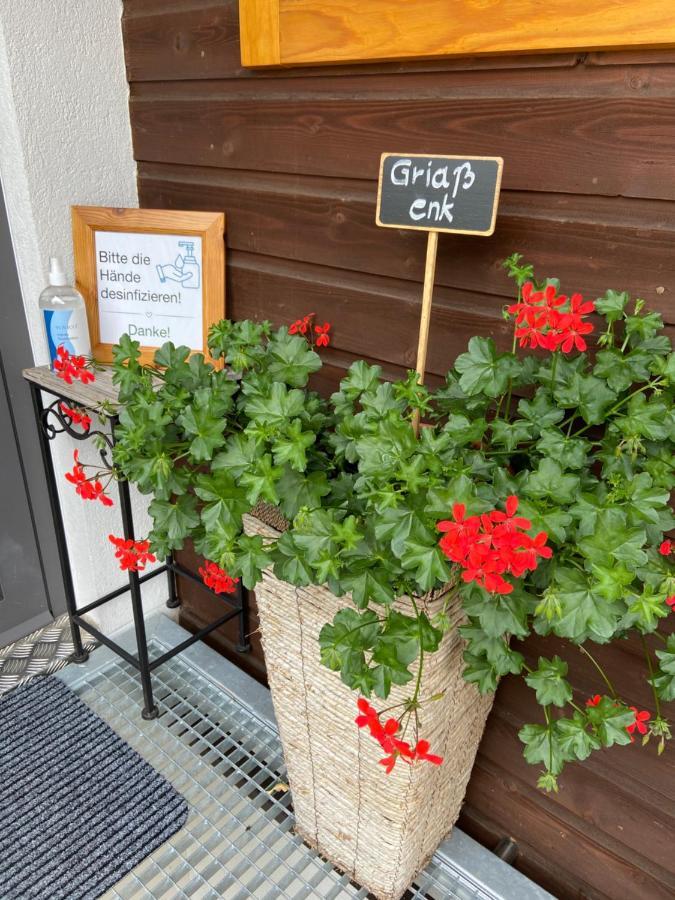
[[92, 396]]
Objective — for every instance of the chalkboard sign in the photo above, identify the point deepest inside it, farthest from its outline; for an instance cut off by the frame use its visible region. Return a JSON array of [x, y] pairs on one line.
[[458, 194]]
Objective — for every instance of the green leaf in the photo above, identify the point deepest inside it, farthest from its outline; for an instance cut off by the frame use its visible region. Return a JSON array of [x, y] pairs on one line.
[[206, 429], [609, 720], [541, 411], [275, 406], [290, 563], [664, 677], [370, 585], [250, 559], [542, 744], [291, 446], [175, 519], [480, 671], [464, 430], [610, 582], [548, 481], [483, 370], [423, 555], [651, 419], [584, 613], [260, 480], [646, 609], [612, 305], [643, 327], [571, 453], [238, 456], [510, 434], [553, 521], [498, 615], [591, 396], [614, 539], [169, 356], [549, 682], [621, 370], [290, 359], [576, 742], [225, 502], [298, 491]]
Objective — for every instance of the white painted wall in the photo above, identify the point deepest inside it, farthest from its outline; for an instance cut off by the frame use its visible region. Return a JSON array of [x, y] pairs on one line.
[[65, 139]]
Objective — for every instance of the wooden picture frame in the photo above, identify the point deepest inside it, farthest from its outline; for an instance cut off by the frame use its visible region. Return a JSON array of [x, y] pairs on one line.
[[171, 311]]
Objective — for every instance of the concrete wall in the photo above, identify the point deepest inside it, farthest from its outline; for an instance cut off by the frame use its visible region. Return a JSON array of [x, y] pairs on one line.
[[65, 139]]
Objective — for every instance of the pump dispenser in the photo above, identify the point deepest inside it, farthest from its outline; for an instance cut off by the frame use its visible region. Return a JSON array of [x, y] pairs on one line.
[[64, 314]]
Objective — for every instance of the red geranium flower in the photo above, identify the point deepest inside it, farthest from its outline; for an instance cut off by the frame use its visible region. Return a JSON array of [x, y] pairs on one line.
[[542, 322], [641, 718], [77, 416], [302, 326], [421, 751], [133, 555], [323, 340], [666, 548], [68, 367], [87, 488], [217, 579], [492, 545], [594, 700], [385, 735], [670, 601]]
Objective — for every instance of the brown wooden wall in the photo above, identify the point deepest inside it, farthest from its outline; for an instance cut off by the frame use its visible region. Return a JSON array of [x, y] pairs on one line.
[[291, 156]]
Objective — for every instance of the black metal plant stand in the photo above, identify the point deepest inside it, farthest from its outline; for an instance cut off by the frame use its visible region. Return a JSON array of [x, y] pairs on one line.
[[52, 421]]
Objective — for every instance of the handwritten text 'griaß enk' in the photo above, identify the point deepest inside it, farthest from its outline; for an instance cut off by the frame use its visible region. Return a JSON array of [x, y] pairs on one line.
[[406, 173]]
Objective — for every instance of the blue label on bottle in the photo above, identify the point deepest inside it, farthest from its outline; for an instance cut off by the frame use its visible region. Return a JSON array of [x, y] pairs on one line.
[[57, 326]]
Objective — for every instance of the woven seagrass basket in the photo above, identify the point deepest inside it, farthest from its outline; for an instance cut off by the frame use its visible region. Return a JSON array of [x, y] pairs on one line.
[[381, 829]]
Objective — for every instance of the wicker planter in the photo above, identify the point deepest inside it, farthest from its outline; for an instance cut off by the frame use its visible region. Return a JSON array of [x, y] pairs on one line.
[[381, 829]]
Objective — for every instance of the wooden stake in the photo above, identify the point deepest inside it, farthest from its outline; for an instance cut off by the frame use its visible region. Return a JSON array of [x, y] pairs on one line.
[[427, 294]]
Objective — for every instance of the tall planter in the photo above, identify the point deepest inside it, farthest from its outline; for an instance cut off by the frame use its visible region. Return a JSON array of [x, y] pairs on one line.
[[381, 829]]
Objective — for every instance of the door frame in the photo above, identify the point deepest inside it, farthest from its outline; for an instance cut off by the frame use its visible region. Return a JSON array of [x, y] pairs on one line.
[[15, 355]]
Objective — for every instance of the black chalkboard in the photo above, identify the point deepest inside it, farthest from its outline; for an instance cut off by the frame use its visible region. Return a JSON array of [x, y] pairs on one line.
[[439, 193]]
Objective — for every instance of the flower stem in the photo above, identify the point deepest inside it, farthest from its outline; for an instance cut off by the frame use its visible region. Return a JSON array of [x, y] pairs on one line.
[[648, 657], [600, 671]]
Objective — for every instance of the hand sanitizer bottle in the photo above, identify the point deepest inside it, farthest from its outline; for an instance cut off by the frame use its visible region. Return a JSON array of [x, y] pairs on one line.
[[64, 313]]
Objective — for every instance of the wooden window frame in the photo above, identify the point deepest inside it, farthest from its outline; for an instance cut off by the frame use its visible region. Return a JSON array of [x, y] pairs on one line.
[[312, 32]]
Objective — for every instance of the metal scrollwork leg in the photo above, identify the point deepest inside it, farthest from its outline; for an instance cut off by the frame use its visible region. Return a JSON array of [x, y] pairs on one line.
[[46, 432]]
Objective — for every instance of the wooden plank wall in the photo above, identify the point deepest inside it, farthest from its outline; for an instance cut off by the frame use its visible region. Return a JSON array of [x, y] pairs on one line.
[[589, 195]]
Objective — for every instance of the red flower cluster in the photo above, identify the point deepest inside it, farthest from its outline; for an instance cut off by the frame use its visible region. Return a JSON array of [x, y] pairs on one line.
[[392, 746], [304, 326], [217, 579], [542, 322], [492, 545], [76, 416], [640, 723], [670, 601], [594, 700], [133, 555], [87, 488], [666, 548], [68, 367]]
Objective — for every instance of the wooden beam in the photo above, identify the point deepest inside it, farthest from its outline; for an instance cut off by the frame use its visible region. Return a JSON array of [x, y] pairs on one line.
[[298, 32], [259, 30]]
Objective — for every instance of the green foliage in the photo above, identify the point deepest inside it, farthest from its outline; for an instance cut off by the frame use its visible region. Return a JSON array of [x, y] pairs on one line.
[[586, 442]]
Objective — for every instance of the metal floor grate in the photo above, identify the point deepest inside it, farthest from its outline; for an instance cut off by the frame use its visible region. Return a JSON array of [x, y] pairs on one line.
[[238, 840]]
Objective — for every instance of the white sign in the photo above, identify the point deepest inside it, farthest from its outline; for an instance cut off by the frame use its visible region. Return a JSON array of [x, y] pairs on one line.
[[150, 286]]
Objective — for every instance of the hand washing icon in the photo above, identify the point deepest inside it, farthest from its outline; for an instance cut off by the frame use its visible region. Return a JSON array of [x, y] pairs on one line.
[[184, 269]]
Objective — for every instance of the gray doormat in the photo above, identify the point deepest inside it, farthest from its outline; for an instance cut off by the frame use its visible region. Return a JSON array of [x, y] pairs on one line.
[[79, 808]]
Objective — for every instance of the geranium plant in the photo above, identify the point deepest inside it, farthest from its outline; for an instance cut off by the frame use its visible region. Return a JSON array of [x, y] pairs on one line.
[[538, 488]]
